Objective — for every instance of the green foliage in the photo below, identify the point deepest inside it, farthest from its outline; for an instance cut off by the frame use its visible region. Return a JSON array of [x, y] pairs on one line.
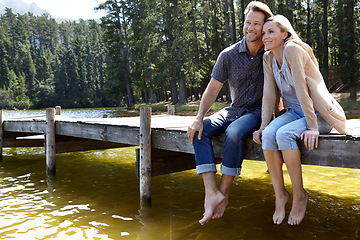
[[44, 63], [174, 42], [152, 51]]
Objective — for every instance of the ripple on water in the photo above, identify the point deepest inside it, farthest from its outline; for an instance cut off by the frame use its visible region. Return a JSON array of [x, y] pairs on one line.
[[95, 195]]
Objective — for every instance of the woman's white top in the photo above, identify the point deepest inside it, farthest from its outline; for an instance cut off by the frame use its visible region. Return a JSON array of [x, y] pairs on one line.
[[285, 85]]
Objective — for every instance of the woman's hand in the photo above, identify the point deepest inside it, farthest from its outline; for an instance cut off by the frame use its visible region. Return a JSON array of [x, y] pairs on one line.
[[310, 138], [257, 136]]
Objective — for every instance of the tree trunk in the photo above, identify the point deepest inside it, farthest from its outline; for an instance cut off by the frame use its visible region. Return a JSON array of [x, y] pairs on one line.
[[352, 51], [179, 49], [291, 6], [196, 46], [233, 22], [124, 55], [227, 28], [173, 89], [308, 24], [205, 30], [127, 62], [325, 63]]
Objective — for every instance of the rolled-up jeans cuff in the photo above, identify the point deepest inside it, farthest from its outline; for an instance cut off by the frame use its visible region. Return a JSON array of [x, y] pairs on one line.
[[203, 168], [230, 171]]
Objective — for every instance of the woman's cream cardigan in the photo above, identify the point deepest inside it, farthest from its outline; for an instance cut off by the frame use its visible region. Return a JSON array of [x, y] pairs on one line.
[[309, 86]]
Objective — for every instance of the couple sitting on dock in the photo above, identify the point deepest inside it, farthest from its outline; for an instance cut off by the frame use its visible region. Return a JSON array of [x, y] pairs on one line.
[[258, 79]]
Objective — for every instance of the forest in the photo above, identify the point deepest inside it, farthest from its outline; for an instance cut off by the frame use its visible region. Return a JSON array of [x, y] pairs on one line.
[[147, 51]]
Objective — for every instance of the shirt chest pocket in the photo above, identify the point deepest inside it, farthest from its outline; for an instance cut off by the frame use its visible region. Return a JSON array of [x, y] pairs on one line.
[[237, 74]]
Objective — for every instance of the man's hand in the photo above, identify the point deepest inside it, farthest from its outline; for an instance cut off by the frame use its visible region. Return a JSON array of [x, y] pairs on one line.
[[196, 126], [310, 138], [257, 136]]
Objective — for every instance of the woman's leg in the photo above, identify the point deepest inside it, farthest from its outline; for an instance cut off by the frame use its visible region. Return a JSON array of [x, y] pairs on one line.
[[274, 163], [300, 197], [274, 160], [286, 138]]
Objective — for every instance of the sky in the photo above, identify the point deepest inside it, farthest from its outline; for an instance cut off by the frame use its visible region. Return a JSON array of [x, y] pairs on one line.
[[70, 9]]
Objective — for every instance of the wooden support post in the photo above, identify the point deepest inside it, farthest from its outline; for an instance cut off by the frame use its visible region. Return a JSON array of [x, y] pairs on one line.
[[171, 109], [145, 156], [1, 134], [50, 141], [58, 110]]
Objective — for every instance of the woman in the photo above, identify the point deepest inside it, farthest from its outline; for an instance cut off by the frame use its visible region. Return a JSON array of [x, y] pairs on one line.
[[291, 72]]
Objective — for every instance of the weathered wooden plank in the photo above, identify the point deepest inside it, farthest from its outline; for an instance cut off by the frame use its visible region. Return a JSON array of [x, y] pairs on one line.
[[102, 132], [18, 134], [79, 144], [334, 153], [29, 126], [178, 141], [13, 142], [63, 144], [169, 133]]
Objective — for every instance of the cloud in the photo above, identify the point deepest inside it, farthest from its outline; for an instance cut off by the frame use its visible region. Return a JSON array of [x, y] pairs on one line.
[[71, 9]]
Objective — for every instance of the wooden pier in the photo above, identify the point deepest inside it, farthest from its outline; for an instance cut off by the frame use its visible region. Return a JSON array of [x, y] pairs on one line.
[[162, 140]]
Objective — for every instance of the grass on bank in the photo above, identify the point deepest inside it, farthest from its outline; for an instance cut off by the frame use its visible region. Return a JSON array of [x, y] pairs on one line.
[[189, 107], [350, 105], [193, 107]]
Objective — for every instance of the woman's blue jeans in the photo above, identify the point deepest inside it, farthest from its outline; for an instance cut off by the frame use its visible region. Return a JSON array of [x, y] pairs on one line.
[[284, 131], [235, 134]]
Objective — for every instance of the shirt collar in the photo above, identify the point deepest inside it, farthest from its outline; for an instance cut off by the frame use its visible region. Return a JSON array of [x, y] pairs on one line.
[[243, 48]]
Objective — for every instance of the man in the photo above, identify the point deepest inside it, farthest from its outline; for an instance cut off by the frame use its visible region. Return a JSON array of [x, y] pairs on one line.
[[240, 65]]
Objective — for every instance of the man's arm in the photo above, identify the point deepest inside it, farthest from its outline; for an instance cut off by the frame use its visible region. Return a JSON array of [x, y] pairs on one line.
[[207, 100]]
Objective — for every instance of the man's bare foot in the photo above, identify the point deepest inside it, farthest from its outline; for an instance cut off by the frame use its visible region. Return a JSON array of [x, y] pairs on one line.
[[211, 203], [280, 203], [220, 209], [298, 209]]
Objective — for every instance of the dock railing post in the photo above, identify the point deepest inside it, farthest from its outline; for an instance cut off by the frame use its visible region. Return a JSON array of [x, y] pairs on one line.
[[50, 142], [57, 110], [171, 109], [145, 156], [1, 134]]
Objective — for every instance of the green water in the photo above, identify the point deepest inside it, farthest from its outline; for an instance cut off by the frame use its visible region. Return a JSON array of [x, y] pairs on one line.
[[95, 195]]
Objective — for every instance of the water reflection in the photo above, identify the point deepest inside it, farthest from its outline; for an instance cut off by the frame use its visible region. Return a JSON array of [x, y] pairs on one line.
[[95, 195], [76, 113]]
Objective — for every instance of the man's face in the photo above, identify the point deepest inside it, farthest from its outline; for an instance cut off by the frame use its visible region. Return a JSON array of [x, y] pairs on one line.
[[253, 26]]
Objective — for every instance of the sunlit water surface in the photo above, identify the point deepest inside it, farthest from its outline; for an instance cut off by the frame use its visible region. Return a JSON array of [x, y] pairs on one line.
[[95, 195]]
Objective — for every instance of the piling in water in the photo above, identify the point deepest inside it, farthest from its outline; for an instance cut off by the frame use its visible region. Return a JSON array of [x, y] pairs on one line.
[[145, 156], [50, 142]]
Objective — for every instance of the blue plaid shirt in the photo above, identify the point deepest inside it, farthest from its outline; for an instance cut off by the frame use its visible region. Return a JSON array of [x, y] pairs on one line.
[[244, 73]]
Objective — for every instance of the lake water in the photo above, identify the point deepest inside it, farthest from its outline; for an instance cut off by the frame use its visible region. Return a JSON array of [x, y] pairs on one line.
[[95, 195]]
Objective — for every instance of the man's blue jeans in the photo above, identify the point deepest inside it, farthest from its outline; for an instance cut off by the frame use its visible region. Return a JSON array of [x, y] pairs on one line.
[[235, 134]]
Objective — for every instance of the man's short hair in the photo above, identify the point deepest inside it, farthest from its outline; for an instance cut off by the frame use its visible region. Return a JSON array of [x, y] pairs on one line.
[[260, 7]]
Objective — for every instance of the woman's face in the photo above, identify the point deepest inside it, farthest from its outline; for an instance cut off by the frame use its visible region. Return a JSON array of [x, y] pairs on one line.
[[272, 36]]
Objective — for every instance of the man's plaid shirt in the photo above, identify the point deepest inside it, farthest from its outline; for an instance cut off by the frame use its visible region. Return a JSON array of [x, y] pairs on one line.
[[244, 73]]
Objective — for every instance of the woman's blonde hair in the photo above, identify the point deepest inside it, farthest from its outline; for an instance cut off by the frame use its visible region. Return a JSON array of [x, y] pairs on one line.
[[285, 26]]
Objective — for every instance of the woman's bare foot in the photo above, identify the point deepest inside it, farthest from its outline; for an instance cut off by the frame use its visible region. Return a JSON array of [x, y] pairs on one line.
[[220, 209], [211, 203], [280, 203], [298, 209]]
